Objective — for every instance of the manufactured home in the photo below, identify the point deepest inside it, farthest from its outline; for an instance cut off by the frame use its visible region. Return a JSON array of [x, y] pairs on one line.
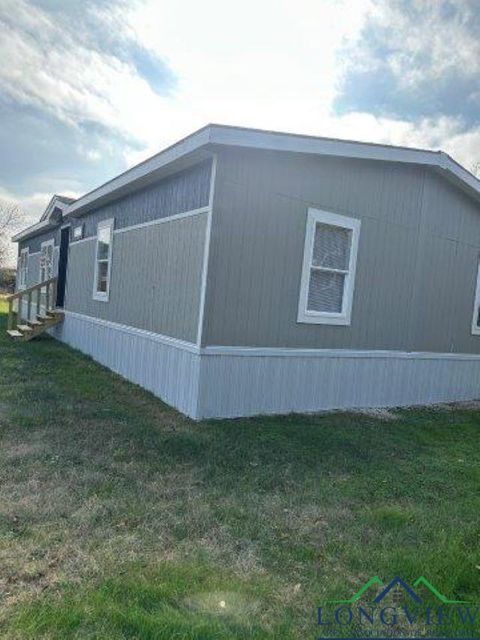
[[242, 272]]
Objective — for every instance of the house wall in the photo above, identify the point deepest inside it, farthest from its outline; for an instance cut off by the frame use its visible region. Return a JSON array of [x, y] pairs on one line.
[[417, 249], [33, 273], [155, 277], [183, 191], [446, 270]]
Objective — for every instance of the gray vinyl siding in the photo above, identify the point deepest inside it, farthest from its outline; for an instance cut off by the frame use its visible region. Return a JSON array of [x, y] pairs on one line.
[[258, 233], [416, 265], [184, 191], [155, 279], [35, 242], [448, 256], [33, 272]]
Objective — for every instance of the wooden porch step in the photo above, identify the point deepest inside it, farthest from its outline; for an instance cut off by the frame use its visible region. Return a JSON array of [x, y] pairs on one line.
[[24, 328], [13, 333], [35, 323]]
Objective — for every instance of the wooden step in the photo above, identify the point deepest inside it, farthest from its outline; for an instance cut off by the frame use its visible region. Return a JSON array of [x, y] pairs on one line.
[[13, 333], [24, 328], [45, 317], [35, 323]]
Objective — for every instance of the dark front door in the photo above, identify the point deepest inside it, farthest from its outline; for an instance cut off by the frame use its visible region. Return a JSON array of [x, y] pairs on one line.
[[62, 266]]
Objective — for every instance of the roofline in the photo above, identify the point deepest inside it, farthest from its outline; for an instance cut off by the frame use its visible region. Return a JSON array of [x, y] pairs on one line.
[[63, 201], [226, 135], [33, 230], [218, 134]]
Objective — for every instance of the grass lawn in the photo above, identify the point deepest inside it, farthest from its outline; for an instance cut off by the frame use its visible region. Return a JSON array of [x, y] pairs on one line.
[[119, 518]]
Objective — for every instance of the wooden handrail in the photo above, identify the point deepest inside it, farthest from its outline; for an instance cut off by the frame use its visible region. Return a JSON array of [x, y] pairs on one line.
[[23, 292], [50, 302]]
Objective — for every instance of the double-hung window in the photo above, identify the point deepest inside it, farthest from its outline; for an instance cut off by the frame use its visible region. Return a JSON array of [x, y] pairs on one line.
[[46, 260], [328, 274], [103, 260], [23, 268]]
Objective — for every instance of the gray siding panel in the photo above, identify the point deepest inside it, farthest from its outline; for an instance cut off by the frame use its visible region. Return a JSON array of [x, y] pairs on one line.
[[448, 261], [155, 280], [166, 370], [258, 231], [35, 243], [232, 386], [183, 191]]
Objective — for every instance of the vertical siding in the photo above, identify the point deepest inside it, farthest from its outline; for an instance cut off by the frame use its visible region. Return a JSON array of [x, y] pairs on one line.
[[169, 372], [447, 269], [155, 279], [233, 386], [258, 231], [183, 191]]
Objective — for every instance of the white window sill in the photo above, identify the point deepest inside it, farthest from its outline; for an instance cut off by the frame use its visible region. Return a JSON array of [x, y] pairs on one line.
[[100, 297], [337, 319]]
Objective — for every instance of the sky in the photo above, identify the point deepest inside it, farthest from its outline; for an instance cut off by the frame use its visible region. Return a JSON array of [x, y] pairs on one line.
[[89, 88]]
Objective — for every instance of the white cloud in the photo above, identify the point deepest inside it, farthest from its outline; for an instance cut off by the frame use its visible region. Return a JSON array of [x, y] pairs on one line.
[[271, 64]]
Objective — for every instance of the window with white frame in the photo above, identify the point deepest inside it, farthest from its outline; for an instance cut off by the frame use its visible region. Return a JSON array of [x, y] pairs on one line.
[[23, 268], [46, 260], [103, 260], [476, 306], [328, 274]]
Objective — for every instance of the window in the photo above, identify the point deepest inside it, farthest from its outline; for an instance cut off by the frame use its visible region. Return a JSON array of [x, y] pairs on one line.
[[23, 268], [476, 306], [328, 275], [103, 259], [46, 260]]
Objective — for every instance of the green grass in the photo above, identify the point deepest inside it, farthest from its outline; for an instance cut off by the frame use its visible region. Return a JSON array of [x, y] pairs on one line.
[[119, 518]]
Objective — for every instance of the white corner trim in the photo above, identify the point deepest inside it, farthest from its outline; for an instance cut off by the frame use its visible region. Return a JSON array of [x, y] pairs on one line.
[[315, 216], [206, 251], [103, 296], [150, 335]]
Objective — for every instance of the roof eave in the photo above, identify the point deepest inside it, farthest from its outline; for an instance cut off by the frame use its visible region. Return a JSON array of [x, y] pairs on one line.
[[34, 229]]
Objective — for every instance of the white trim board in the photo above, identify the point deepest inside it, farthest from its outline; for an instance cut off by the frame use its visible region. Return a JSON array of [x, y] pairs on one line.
[[150, 223], [206, 252], [149, 335], [176, 216], [276, 352]]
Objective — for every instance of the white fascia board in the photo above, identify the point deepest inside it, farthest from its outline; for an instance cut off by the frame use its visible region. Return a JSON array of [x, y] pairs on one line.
[[186, 145], [44, 225], [297, 143], [275, 141]]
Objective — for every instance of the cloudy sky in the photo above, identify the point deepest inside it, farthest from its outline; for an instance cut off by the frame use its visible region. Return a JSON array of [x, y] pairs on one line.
[[91, 87]]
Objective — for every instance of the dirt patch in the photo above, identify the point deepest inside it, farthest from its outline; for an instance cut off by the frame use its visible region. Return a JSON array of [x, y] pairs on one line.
[[380, 413], [465, 405]]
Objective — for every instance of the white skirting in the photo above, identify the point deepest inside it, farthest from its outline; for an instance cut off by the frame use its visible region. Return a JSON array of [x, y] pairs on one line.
[[247, 385], [223, 382], [166, 367]]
